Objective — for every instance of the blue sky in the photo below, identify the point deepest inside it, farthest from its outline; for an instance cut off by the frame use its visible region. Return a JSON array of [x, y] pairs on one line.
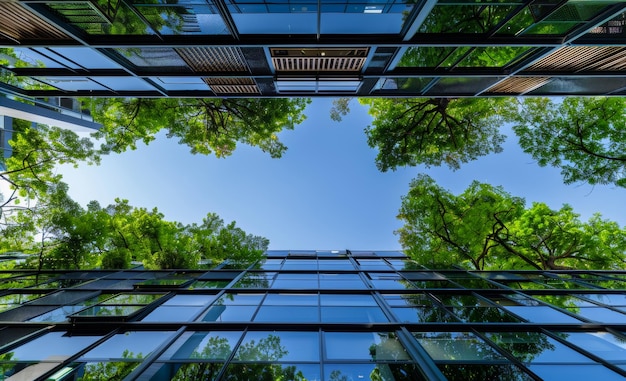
[[324, 193]]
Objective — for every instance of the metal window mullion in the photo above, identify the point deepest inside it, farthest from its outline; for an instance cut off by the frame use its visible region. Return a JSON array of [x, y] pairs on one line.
[[78, 354], [222, 8], [420, 356], [148, 361]]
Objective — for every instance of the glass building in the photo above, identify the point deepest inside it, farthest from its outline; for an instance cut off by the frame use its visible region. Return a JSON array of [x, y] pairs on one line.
[[313, 315], [256, 48]]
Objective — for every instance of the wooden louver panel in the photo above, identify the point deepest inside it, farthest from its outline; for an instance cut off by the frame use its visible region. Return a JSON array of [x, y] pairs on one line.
[[19, 24], [232, 85], [518, 85], [213, 59], [318, 63], [581, 58]]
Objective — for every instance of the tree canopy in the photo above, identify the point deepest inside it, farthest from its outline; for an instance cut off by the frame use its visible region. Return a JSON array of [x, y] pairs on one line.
[[583, 136], [487, 228], [72, 237], [205, 125], [431, 131]]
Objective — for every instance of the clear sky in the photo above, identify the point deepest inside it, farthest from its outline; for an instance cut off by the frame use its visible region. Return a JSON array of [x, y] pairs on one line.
[[324, 193]]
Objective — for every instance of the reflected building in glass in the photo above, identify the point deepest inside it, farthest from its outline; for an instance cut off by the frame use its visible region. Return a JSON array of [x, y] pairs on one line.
[[258, 48], [313, 315]]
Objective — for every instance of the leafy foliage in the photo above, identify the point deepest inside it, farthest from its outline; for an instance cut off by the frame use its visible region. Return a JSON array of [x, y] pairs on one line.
[[434, 131], [205, 125], [486, 228], [36, 151], [112, 237], [584, 137]]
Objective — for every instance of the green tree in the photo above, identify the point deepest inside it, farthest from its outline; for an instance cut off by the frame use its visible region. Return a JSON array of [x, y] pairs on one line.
[[559, 240], [441, 229], [486, 228], [434, 131], [583, 136], [205, 125], [36, 151]]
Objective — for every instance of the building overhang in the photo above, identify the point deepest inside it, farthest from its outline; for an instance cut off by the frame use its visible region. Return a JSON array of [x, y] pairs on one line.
[[42, 115]]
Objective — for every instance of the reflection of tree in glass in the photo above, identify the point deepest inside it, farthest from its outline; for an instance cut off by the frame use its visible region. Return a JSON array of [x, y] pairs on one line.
[[7, 368], [464, 18], [569, 302], [113, 370], [121, 18], [460, 351], [469, 308], [263, 372], [266, 349], [216, 348], [253, 280], [430, 56], [525, 346], [336, 375]]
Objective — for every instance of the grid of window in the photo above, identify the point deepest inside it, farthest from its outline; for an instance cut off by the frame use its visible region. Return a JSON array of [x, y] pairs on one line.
[[313, 316], [433, 48]]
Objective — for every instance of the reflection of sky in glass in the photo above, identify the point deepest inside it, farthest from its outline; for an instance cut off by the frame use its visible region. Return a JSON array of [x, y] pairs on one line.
[[287, 314], [599, 314], [611, 299], [601, 344], [541, 314], [575, 372], [172, 314], [54, 344], [135, 344]]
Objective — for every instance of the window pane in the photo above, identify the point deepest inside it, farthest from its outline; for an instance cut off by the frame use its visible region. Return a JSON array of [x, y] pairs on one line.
[[456, 346], [347, 300], [353, 315], [541, 314], [379, 371], [189, 300], [374, 346], [229, 313], [287, 372], [205, 371], [575, 372], [423, 315], [214, 345], [299, 314], [464, 372], [56, 345], [172, 314], [291, 300], [601, 344], [279, 346], [534, 348], [128, 345]]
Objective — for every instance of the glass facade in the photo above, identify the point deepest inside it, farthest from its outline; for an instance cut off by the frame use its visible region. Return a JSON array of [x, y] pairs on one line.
[[212, 48], [309, 315]]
